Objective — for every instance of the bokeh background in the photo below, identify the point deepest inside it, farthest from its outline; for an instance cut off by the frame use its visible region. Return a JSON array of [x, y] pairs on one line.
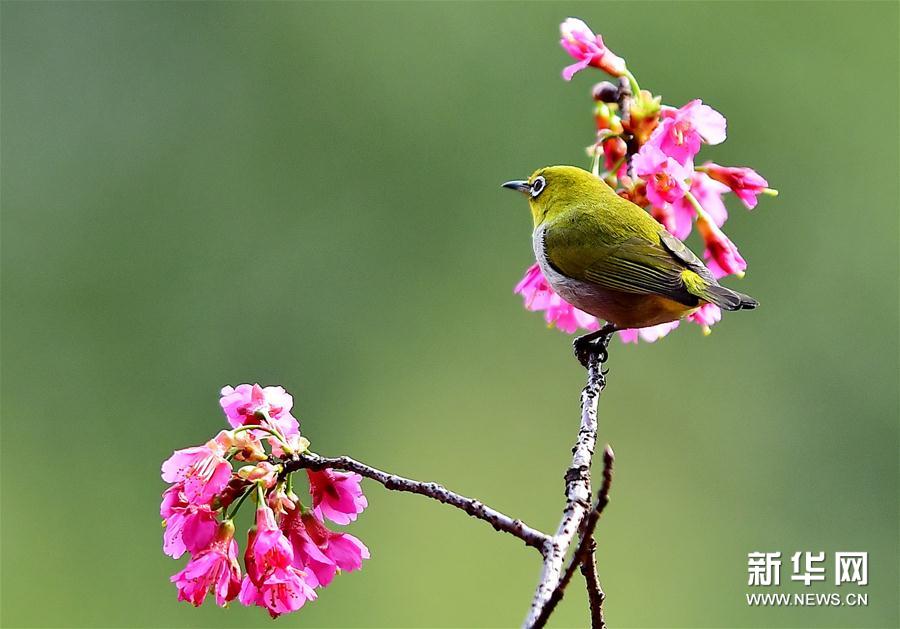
[[306, 194]]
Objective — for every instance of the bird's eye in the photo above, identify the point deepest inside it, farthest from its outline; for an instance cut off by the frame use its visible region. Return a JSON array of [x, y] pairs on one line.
[[537, 186]]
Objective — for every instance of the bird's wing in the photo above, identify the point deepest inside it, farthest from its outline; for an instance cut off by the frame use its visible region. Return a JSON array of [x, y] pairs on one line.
[[634, 265], [687, 257]]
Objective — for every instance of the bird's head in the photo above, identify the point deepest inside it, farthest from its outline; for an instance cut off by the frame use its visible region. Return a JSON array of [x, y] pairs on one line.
[[554, 189]]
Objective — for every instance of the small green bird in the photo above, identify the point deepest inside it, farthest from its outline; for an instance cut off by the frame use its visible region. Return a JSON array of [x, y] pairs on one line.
[[608, 257]]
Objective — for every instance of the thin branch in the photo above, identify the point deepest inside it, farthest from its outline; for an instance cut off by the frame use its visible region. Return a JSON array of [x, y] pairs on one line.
[[594, 589], [532, 537], [578, 494], [584, 553]]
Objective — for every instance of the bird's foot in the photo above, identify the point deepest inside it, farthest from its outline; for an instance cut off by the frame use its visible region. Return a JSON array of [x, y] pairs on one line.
[[594, 343]]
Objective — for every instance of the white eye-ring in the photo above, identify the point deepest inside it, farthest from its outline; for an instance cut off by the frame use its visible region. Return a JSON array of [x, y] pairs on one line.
[[537, 186]]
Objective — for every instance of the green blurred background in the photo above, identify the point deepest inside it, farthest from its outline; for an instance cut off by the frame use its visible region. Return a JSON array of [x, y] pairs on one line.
[[307, 194]]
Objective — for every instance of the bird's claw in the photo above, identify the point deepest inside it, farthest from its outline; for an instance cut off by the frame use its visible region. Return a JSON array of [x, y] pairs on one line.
[[585, 346]]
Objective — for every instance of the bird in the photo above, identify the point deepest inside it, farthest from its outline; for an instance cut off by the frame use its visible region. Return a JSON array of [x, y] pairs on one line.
[[608, 257]]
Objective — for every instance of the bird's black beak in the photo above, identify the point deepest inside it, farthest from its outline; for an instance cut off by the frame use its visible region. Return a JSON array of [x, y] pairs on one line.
[[518, 184]]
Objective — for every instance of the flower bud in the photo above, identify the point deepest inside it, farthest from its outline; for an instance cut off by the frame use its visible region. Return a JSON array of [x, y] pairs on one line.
[[722, 256], [605, 92], [606, 118], [746, 183], [642, 116], [636, 193], [225, 532], [263, 472], [249, 447], [281, 501], [236, 487]]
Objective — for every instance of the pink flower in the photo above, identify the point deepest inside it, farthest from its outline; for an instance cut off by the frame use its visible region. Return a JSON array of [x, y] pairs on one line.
[[267, 547], [667, 179], [708, 193], [746, 183], [650, 334], [203, 469], [707, 315], [346, 551], [214, 568], [681, 131], [247, 405], [665, 216], [336, 495], [282, 591], [320, 550], [722, 256], [272, 581], [307, 555], [539, 295], [189, 526], [580, 42]]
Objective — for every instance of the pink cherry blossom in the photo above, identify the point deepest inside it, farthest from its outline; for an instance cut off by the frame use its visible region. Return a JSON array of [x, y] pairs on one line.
[[267, 547], [667, 179], [281, 591], [214, 568], [650, 334], [539, 295], [307, 555], [248, 404], [722, 256], [580, 42], [746, 183], [346, 551], [707, 316], [665, 216], [708, 193], [189, 526], [272, 581], [336, 495], [203, 470], [681, 131], [320, 550]]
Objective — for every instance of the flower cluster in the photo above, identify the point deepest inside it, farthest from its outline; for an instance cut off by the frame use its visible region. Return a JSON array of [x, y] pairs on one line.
[[290, 552], [648, 150]]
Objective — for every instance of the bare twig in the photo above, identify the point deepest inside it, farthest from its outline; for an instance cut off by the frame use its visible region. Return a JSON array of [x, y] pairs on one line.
[[578, 496], [532, 537], [594, 589], [583, 556]]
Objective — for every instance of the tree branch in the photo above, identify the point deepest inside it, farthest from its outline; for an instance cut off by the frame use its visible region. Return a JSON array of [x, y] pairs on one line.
[[578, 496], [583, 556], [594, 589], [532, 537]]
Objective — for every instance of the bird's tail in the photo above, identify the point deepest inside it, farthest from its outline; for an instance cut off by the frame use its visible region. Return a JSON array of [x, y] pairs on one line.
[[728, 299]]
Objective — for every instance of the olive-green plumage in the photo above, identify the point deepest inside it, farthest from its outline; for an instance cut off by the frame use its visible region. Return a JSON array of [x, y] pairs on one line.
[[610, 258]]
